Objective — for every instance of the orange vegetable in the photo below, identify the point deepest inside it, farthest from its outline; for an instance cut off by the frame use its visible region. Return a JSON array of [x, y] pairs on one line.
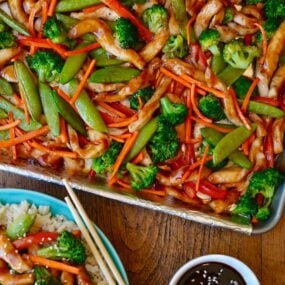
[[188, 29], [264, 43], [92, 8], [248, 94], [82, 50], [10, 125], [201, 167], [51, 8], [213, 126]]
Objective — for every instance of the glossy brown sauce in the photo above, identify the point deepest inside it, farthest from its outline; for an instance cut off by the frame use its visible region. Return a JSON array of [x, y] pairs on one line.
[[212, 273]]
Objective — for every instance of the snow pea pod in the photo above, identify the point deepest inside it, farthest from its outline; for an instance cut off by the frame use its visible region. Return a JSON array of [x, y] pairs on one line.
[[3, 114], [86, 109], [9, 21], [4, 135], [5, 87], [113, 74], [217, 63], [74, 5], [230, 75], [50, 109], [72, 65], [69, 114], [230, 142], [19, 114], [103, 58], [28, 86]]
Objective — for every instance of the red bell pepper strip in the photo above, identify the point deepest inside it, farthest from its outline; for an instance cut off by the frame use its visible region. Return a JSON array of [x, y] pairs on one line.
[[265, 100], [125, 13], [33, 239], [211, 190]]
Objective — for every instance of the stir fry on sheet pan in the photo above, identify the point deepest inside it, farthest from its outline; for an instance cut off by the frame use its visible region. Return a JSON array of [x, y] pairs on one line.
[[173, 98]]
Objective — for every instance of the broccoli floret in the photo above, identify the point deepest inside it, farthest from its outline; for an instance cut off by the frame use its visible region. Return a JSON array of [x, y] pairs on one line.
[[241, 87], [246, 207], [174, 113], [229, 15], [144, 93], [164, 144], [270, 26], [176, 46], [67, 247], [43, 277], [211, 107], [274, 9], [7, 40], [103, 163], [238, 55], [46, 64], [209, 40], [141, 176], [126, 33], [262, 214], [155, 17]]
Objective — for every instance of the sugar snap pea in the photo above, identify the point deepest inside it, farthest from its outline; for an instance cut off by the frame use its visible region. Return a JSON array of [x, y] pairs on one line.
[[12, 23], [3, 114], [74, 5], [113, 74], [49, 108], [69, 114], [19, 114], [103, 58], [4, 135], [72, 65], [86, 109], [28, 86], [230, 75], [231, 142], [5, 87]]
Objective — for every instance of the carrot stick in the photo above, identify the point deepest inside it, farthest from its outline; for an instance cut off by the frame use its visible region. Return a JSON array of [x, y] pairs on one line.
[[154, 192], [123, 123], [18, 100], [36, 44], [201, 167], [213, 126], [188, 29], [111, 109], [26, 144], [12, 136], [123, 183], [140, 102], [117, 139], [51, 8], [54, 264], [138, 158], [126, 148], [82, 50], [61, 153], [57, 48], [264, 43], [248, 94], [175, 77], [25, 137], [63, 131], [92, 8], [83, 81], [10, 125], [27, 114]]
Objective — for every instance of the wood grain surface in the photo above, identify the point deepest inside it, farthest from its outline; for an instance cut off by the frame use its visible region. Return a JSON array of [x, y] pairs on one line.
[[152, 245]]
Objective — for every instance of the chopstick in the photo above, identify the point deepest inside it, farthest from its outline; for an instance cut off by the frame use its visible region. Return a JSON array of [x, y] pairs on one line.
[[92, 238]]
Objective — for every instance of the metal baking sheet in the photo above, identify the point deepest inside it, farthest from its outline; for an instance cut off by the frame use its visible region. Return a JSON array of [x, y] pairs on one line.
[[166, 205]]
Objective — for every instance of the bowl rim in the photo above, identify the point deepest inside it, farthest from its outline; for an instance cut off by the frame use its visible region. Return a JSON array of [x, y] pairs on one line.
[[248, 275]]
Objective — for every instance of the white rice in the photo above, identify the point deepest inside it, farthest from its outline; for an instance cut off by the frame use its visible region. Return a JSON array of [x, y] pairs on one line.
[[46, 222]]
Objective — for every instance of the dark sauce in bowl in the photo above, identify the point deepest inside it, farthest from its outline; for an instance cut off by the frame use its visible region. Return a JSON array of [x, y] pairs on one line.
[[212, 273]]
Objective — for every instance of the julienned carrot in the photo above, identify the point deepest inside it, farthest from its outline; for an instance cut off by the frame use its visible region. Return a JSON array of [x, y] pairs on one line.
[[27, 114], [175, 77], [83, 81], [61, 153], [194, 105], [123, 183], [27, 145], [18, 100], [82, 50], [248, 94], [92, 8], [125, 150], [28, 42], [117, 139], [63, 131], [54, 264], [154, 192], [213, 126], [188, 29], [65, 97], [25, 137], [109, 108], [269, 101], [51, 7], [123, 123], [138, 158], [10, 125], [264, 43], [57, 48], [201, 167]]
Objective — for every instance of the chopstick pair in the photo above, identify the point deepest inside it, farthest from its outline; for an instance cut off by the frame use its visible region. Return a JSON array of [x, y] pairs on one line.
[[92, 238]]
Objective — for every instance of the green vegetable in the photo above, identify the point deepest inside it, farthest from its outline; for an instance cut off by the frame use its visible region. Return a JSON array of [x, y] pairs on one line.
[[20, 226], [242, 86], [103, 58], [86, 108], [68, 114], [5, 87], [130, 3], [275, 9], [72, 65], [229, 15], [103, 164], [270, 26], [28, 86], [50, 109], [231, 142], [180, 13], [9, 21], [19, 114], [3, 114], [230, 75], [211, 107], [253, 2], [141, 176], [7, 40], [126, 33], [176, 46], [217, 63], [74, 5], [238, 55], [46, 64], [4, 135], [246, 207], [155, 18], [67, 247], [113, 74], [145, 94], [164, 144], [209, 40], [174, 113], [43, 277]]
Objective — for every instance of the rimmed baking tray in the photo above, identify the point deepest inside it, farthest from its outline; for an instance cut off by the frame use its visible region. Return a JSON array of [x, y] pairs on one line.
[[165, 205]]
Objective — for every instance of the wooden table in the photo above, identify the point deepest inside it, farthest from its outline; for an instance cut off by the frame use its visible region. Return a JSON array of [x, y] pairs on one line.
[[153, 245]]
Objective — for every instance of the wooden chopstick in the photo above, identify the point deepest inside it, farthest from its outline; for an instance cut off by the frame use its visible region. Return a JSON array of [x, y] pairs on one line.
[[93, 232]]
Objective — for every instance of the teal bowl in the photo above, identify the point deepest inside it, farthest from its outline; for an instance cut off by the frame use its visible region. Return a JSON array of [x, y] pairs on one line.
[[57, 207]]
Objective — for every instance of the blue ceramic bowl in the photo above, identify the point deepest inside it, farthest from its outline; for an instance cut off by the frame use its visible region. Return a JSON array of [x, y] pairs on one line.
[[57, 207]]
